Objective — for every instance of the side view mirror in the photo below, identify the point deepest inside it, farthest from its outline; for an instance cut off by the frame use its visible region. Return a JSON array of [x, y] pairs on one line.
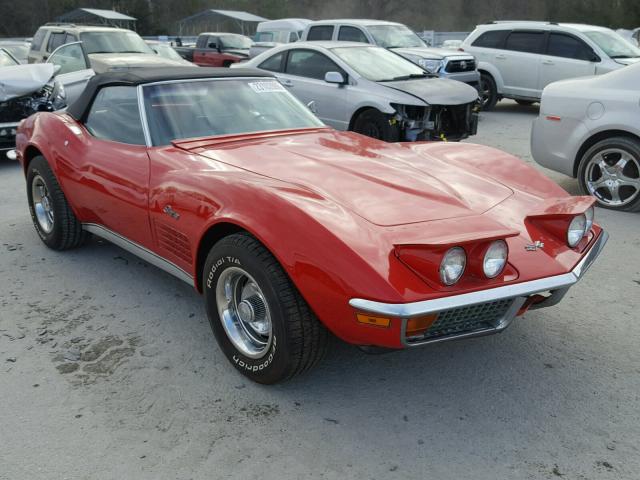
[[214, 46], [334, 77]]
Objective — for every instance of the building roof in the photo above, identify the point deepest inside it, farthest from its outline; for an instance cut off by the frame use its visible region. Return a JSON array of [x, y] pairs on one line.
[[235, 14], [96, 12]]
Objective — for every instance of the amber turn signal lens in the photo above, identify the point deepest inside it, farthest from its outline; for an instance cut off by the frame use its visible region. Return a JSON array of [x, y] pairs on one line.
[[419, 325], [375, 321]]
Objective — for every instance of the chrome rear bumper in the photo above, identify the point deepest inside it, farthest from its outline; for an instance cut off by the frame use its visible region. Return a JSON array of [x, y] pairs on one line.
[[557, 286]]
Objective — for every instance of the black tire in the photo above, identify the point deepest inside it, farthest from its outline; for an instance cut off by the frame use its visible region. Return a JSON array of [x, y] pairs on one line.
[[590, 171], [226, 64], [525, 103], [66, 231], [376, 124], [488, 92], [298, 339]]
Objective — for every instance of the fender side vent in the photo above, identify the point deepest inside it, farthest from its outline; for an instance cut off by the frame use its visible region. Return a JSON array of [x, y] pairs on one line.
[[174, 242]]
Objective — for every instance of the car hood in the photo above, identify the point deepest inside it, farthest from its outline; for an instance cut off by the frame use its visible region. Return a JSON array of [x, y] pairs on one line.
[[430, 53], [386, 184], [436, 91], [103, 62], [19, 80]]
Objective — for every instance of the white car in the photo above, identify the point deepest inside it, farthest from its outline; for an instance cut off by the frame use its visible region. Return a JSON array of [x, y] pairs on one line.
[[589, 128], [518, 59]]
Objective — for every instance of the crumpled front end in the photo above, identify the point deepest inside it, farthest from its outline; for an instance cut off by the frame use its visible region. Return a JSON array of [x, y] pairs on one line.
[[436, 122], [16, 109]]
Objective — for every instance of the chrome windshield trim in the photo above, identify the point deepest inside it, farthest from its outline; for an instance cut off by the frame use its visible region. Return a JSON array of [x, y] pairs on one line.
[[139, 251], [408, 310]]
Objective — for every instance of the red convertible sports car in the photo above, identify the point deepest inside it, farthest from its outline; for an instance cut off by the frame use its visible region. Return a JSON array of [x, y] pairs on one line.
[[292, 230]]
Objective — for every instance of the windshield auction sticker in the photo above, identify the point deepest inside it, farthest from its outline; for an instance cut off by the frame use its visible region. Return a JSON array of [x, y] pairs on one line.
[[269, 86]]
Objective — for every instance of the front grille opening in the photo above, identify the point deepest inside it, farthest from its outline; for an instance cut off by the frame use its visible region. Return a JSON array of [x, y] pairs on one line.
[[455, 66], [474, 318]]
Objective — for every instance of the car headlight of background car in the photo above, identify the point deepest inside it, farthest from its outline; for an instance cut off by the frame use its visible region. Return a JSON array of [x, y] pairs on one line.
[[431, 66], [453, 265], [58, 96]]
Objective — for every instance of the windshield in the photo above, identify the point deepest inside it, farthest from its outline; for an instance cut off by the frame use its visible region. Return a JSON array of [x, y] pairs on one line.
[[21, 52], [114, 42], [166, 51], [235, 41], [613, 44], [6, 60], [219, 107], [394, 36], [377, 64]]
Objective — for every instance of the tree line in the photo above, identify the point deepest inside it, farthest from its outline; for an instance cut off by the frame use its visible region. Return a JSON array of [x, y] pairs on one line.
[[159, 17]]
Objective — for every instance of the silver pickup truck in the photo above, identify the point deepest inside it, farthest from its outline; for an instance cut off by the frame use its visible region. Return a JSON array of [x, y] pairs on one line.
[[401, 40]]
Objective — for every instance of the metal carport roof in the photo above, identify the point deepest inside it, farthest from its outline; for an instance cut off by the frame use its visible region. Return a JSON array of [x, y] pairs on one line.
[[202, 21]]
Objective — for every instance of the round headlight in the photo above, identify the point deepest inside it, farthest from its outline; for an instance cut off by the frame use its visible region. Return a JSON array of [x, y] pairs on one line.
[[589, 214], [495, 259], [577, 227], [452, 265]]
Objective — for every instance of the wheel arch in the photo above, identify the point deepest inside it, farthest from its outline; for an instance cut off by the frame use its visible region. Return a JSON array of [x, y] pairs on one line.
[[30, 153], [489, 69], [213, 234], [359, 112], [598, 137]]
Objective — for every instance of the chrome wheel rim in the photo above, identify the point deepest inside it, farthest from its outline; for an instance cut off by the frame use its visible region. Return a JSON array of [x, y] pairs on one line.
[[42, 204], [613, 177], [244, 312]]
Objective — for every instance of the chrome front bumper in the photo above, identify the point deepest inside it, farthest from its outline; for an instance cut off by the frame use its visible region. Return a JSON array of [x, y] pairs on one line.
[[557, 286]]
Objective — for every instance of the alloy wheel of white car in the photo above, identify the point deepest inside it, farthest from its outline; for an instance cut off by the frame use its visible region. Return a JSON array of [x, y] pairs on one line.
[[610, 171]]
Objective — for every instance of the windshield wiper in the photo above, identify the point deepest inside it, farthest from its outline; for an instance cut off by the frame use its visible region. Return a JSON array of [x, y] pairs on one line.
[[624, 56], [406, 77]]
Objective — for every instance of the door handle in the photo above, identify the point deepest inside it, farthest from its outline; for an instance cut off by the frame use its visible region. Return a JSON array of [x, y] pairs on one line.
[[286, 83], [501, 57], [548, 62]]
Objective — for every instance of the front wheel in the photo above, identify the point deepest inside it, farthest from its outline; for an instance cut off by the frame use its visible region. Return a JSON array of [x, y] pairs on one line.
[[263, 325], [376, 124], [52, 216], [610, 171], [488, 92]]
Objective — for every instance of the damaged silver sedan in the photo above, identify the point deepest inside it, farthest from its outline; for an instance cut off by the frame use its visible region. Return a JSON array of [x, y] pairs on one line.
[[370, 90]]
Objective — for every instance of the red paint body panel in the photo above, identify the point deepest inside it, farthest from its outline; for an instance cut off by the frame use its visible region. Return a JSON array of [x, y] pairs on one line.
[[331, 206], [210, 57]]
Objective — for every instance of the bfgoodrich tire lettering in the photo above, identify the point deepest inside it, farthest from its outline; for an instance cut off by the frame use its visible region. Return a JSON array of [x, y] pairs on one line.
[[62, 230], [295, 341]]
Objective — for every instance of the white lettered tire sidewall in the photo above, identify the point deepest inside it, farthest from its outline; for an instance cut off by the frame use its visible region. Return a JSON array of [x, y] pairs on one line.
[[273, 365]]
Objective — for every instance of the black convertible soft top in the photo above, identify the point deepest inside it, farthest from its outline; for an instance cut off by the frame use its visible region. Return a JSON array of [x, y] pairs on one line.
[[140, 76]]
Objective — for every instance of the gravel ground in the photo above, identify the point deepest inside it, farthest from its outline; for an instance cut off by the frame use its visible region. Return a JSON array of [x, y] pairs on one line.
[[108, 370]]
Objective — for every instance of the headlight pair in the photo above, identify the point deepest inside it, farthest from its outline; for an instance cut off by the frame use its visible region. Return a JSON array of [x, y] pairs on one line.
[[454, 262]]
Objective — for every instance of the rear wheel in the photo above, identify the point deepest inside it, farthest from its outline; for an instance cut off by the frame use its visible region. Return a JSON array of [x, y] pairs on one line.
[[488, 92], [263, 325], [52, 216], [376, 124], [610, 171]]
